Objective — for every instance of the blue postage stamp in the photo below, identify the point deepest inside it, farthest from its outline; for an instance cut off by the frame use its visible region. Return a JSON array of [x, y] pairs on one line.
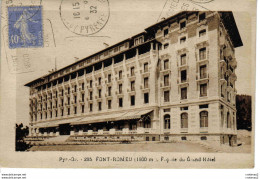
[[25, 26]]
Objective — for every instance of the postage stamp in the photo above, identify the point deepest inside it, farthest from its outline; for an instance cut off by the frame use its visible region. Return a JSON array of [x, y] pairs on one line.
[[25, 26], [84, 17]]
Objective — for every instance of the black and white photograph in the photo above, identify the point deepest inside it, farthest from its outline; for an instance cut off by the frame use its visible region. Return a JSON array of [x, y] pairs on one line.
[[128, 84]]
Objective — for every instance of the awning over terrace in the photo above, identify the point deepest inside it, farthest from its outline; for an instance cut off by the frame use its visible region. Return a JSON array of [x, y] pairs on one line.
[[117, 116], [113, 117]]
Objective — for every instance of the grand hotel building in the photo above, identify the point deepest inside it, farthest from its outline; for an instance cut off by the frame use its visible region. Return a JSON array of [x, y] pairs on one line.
[[174, 81]]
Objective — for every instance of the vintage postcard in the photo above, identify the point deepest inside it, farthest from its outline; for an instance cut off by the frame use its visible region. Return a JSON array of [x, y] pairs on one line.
[[127, 84]]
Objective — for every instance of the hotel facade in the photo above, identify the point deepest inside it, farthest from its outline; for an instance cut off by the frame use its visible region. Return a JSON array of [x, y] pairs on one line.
[[174, 81]]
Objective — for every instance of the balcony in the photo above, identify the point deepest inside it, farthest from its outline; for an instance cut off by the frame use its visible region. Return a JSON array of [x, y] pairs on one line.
[[147, 54], [183, 82], [74, 92], [202, 22], [66, 83], [165, 85], [223, 63], [145, 72], [182, 30], [74, 103], [81, 101], [202, 78], [222, 40]]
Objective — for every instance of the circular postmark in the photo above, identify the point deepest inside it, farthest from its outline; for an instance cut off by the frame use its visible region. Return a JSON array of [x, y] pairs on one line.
[[202, 1], [84, 17]]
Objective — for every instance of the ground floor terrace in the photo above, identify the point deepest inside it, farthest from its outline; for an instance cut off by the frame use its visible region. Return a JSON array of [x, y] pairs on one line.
[[140, 125]]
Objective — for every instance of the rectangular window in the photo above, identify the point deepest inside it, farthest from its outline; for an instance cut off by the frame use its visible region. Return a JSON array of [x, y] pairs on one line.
[[183, 25], [132, 100], [183, 93], [99, 81], [203, 71], [109, 78], [109, 103], [120, 74], [202, 53], [202, 17], [166, 64], [62, 112], [166, 80], [82, 108], [75, 99], [165, 32], [166, 96], [120, 86], [136, 41], [182, 40], [109, 91], [99, 106], [146, 82], [99, 93], [90, 95], [68, 111], [145, 67], [165, 46], [82, 86], [82, 97], [90, 107], [132, 71], [184, 76], [68, 100], [203, 106], [90, 83], [146, 98], [132, 85], [202, 32], [203, 90], [184, 108], [68, 90], [75, 88], [120, 102], [183, 59]]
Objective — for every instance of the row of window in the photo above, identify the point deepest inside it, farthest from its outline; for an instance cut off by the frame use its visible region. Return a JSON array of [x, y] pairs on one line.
[[184, 120], [109, 106], [201, 17], [184, 92]]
